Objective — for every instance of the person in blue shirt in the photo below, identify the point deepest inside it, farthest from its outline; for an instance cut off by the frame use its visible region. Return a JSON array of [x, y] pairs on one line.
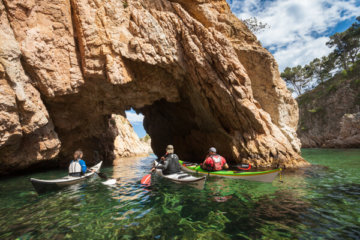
[[77, 166]]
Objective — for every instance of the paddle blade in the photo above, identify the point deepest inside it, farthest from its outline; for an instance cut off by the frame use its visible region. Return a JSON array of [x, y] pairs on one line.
[[110, 182], [146, 179]]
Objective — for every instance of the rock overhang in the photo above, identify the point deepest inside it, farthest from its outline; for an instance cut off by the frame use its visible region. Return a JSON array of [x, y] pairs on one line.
[[192, 68]]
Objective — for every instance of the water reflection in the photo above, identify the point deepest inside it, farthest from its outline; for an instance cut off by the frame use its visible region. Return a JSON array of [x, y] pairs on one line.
[[312, 203], [127, 172]]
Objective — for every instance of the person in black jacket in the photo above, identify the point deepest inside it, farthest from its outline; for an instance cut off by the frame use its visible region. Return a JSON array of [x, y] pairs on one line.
[[169, 163]]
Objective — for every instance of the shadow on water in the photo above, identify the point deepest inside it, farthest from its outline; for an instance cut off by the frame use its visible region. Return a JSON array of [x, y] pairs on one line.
[[313, 203]]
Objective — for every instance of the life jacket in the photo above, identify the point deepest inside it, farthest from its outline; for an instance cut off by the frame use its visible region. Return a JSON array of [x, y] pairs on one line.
[[74, 167], [216, 162]]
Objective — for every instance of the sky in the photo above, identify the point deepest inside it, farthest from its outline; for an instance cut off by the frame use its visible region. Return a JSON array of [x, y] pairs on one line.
[[297, 33], [136, 121], [298, 29]]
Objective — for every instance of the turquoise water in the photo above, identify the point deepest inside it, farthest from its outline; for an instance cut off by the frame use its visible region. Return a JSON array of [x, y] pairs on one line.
[[321, 202]]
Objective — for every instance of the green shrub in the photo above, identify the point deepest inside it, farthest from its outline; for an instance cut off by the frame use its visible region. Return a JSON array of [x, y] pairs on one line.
[[331, 88], [305, 98], [315, 110], [357, 100], [355, 83], [344, 73], [145, 138]]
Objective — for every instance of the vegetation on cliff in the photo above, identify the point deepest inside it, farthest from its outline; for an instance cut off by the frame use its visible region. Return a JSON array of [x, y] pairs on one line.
[[326, 110], [328, 92], [146, 138], [344, 57]]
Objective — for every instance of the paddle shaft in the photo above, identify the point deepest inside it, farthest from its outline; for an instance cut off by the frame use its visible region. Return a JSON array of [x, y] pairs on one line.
[[147, 178], [102, 175]]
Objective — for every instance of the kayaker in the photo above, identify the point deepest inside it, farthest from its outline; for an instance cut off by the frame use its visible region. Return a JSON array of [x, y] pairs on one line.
[[77, 166], [214, 162], [169, 163]]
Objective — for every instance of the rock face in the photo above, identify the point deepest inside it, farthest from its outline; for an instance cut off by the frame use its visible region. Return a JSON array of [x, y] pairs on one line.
[[349, 136], [127, 143], [192, 68], [330, 114], [27, 133]]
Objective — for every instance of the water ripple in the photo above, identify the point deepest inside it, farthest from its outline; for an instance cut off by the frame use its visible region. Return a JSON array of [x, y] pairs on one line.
[[314, 203]]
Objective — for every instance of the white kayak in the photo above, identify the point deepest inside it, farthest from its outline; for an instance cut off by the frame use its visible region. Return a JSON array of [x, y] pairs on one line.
[[180, 177], [41, 185]]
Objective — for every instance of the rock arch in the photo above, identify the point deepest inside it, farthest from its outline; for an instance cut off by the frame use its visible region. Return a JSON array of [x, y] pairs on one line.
[[191, 67]]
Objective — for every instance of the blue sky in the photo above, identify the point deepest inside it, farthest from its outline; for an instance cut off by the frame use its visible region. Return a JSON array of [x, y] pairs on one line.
[[136, 121], [297, 32]]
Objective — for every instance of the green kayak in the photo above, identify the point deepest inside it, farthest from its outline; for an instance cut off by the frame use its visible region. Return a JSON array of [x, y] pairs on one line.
[[263, 176]]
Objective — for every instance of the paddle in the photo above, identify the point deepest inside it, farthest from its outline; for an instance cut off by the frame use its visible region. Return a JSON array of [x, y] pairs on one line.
[[102, 175], [146, 180], [97, 158]]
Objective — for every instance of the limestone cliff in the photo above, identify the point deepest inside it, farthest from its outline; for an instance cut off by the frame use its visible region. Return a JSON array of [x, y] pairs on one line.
[[27, 133], [330, 114], [127, 143], [195, 71]]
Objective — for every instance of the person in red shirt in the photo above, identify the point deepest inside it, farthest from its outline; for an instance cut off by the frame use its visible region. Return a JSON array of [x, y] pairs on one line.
[[214, 162]]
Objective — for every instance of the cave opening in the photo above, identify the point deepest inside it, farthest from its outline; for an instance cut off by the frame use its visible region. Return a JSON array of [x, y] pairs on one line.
[[191, 108], [131, 139], [184, 125], [136, 120], [172, 114], [197, 85]]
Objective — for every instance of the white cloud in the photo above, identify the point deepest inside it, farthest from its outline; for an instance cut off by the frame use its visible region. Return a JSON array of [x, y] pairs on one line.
[[134, 119], [298, 29], [301, 52]]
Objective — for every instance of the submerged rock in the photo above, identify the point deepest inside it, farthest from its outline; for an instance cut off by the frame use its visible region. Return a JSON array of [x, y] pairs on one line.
[[195, 71]]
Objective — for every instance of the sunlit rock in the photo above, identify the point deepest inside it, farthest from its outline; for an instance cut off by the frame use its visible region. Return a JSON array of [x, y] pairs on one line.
[[330, 114], [127, 143], [195, 71]]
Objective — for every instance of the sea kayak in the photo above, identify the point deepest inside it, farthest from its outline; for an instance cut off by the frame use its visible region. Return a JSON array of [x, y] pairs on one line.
[[41, 185], [180, 177], [263, 176], [177, 177]]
